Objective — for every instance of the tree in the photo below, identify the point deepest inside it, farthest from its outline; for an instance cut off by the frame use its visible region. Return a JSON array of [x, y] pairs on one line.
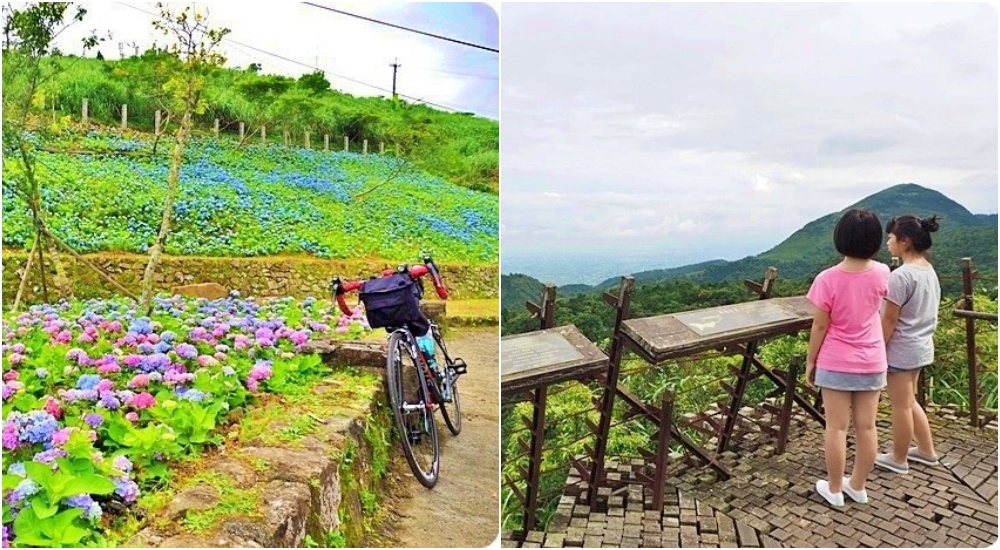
[[28, 35], [194, 44], [315, 82]]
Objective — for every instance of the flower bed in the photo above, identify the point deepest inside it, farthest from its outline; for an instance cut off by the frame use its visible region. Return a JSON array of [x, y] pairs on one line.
[[97, 401], [255, 201]]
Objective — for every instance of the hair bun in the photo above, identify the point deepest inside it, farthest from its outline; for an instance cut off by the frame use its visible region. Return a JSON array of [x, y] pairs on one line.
[[930, 224]]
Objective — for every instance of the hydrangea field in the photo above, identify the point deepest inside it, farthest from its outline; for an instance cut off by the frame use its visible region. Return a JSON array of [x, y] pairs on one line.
[[97, 401], [253, 201]]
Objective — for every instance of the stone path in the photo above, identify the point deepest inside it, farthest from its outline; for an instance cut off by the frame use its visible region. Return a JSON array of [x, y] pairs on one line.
[[771, 502], [462, 509]]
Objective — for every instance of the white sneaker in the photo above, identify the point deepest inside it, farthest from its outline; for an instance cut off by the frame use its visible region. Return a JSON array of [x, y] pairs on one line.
[[884, 460], [915, 455], [835, 499], [861, 497]]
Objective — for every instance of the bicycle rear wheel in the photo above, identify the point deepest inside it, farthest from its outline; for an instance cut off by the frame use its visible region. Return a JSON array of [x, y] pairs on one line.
[[451, 405], [413, 413]]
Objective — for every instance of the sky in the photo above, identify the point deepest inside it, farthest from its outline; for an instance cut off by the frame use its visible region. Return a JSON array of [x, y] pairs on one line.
[[687, 132], [452, 75]]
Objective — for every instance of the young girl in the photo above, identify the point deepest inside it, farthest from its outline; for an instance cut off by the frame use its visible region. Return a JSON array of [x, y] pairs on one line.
[[909, 319], [846, 355]]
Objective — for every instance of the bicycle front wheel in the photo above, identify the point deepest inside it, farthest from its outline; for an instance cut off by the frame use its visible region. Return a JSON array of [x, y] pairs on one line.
[[412, 411], [451, 405]]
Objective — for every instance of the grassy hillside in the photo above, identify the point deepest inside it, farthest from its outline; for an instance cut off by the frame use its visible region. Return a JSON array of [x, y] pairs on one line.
[[459, 147], [254, 201], [515, 289]]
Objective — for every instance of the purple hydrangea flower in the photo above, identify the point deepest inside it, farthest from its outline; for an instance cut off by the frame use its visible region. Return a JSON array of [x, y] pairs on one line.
[[37, 427], [94, 420], [122, 464], [186, 351], [126, 488]]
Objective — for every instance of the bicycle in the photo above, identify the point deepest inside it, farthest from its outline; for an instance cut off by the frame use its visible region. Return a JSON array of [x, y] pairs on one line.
[[417, 384]]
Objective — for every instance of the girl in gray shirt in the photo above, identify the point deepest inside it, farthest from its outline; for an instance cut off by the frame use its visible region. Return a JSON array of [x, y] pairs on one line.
[[909, 318]]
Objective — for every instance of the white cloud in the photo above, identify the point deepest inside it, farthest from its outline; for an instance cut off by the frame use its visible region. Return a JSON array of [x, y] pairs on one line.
[[745, 121]]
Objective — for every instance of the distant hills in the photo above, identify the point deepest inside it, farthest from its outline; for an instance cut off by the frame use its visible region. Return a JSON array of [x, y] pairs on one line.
[[810, 249]]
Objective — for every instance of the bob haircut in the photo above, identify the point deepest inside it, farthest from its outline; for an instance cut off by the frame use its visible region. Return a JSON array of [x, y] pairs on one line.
[[858, 234]]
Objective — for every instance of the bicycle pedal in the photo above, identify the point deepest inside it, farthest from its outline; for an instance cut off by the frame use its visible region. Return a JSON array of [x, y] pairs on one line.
[[459, 366]]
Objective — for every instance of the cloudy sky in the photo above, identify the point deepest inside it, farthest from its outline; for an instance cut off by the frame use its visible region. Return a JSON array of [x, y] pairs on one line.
[[445, 73], [697, 131]]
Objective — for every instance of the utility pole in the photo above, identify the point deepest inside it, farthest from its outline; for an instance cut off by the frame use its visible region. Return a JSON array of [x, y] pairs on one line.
[[395, 67]]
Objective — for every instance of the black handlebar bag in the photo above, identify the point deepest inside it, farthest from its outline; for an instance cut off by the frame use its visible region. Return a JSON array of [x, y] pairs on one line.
[[391, 301]]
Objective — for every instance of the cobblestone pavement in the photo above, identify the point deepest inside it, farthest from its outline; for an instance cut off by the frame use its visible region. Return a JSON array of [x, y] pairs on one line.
[[771, 502]]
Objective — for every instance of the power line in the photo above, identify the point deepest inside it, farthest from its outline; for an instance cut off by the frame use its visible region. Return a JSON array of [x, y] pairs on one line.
[[316, 68], [393, 25]]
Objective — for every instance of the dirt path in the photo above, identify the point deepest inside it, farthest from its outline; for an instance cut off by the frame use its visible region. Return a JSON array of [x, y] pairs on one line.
[[463, 509]]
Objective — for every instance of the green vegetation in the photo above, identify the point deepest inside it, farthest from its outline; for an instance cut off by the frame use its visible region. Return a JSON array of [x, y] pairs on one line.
[[458, 147]]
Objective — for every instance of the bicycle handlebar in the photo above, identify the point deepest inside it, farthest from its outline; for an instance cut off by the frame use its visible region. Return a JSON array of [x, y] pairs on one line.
[[341, 288]]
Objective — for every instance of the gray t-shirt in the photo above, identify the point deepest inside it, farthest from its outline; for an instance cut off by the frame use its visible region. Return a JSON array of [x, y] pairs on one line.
[[918, 293]]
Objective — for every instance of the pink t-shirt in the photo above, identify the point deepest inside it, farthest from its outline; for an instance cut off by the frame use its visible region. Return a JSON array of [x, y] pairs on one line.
[[854, 342]]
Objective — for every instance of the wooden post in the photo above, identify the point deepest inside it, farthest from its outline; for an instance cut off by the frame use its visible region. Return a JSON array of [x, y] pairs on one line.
[[533, 480], [215, 128], [763, 291], [53, 110], [86, 114], [622, 303], [326, 142], [263, 135], [124, 116], [308, 141], [284, 135], [364, 147], [156, 122], [791, 381], [381, 148], [662, 448], [347, 143], [242, 131], [970, 342]]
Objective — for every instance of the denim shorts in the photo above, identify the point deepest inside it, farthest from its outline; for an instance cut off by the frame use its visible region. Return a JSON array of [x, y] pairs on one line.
[[895, 370], [845, 381]]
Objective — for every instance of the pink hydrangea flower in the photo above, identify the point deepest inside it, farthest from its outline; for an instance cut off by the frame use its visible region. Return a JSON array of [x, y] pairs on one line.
[[52, 407], [207, 361], [64, 337], [109, 368], [11, 375], [139, 381], [132, 416], [83, 338], [16, 359], [133, 360], [144, 400], [105, 385], [61, 436], [153, 338]]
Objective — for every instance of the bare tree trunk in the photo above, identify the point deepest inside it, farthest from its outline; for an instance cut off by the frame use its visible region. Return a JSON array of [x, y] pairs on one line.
[[26, 273], [61, 280], [146, 299]]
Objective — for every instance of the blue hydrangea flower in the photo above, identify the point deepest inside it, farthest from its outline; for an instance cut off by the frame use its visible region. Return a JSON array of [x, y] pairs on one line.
[[38, 427], [88, 381], [17, 469]]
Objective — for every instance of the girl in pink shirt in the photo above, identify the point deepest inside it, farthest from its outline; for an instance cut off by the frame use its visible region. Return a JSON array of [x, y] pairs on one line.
[[846, 357]]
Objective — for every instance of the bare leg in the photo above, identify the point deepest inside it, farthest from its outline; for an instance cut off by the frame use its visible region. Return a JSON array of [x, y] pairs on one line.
[[901, 396], [837, 405], [921, 428], [865, 405]]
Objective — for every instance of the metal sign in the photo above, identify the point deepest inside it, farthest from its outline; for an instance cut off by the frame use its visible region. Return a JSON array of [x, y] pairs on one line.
[[734, 317], [536, 351]]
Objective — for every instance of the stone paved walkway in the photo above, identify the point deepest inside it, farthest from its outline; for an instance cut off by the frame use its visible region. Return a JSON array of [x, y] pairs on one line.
[[771, 502]]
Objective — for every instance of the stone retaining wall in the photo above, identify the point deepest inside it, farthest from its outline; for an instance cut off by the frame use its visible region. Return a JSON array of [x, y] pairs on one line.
[[265, 276], [315, 488]]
